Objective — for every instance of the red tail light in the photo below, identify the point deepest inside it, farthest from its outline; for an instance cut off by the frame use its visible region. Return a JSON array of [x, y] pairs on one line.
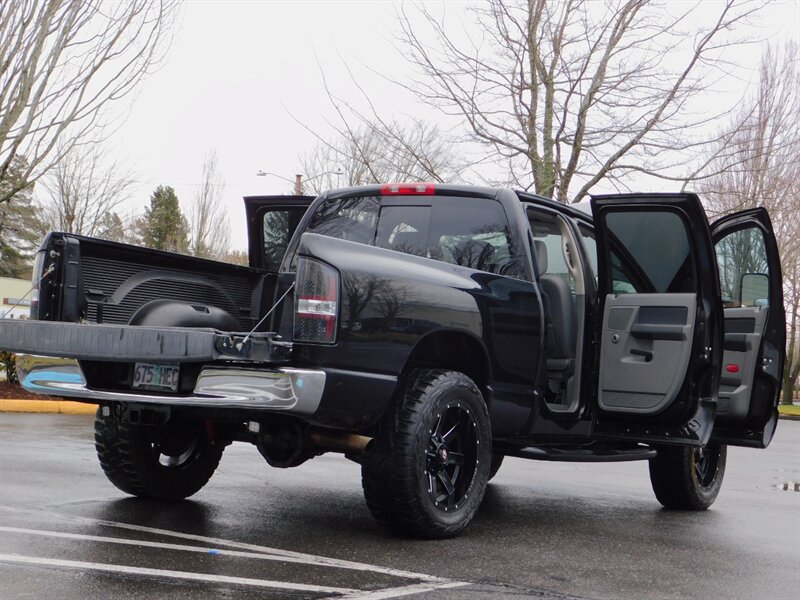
[[316, 302], [408, 189]]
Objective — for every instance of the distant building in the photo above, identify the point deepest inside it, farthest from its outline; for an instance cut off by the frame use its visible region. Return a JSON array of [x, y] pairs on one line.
[[12, 303]]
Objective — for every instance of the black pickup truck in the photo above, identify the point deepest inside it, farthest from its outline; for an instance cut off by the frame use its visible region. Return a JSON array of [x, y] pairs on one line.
[[426, 332]]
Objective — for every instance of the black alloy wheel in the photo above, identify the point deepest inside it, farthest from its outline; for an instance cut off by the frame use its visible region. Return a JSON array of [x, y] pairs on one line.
[[688, 478], [704, 464], [426, 472], [452, 456], [168, 462], [173, 450]]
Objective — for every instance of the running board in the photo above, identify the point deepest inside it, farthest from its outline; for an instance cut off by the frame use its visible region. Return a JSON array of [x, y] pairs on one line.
[[578, 454]]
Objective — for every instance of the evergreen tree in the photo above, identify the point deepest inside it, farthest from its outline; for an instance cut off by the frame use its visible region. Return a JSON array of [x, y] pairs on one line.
[[164, 226], [111, 227], [21, 229]]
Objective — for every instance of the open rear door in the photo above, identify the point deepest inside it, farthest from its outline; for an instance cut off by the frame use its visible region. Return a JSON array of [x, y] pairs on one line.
[[755, 328], [661, 331], [271, 221]]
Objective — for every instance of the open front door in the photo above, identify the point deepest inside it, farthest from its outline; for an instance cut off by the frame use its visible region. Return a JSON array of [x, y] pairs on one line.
[[661, 331], [755, 328]]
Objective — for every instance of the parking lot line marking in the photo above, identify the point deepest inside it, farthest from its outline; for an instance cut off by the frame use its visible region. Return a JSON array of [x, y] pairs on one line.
[[387, 593], [287, 555], [398, 592], [112, 568], [148, 544], [310, 559]]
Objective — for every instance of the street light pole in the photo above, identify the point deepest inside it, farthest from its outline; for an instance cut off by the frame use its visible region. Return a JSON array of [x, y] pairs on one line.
[[298, 178]]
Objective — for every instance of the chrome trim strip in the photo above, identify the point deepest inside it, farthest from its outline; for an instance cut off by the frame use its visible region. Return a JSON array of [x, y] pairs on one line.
[[284, 389]]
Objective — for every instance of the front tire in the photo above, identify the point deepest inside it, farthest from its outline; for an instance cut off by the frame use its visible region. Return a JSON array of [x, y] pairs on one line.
[[168, 462], [427, 474], [688, 478]]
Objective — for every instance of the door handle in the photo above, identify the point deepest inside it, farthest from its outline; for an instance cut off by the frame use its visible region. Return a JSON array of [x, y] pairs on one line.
[[736, 342], [648, 356]]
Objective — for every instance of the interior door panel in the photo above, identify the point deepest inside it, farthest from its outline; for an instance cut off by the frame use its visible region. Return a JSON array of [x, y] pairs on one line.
[[660, 338], [744, 329], [645, 349]]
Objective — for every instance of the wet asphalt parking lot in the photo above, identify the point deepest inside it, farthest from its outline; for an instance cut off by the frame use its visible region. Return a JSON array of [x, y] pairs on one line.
[[545, 530]]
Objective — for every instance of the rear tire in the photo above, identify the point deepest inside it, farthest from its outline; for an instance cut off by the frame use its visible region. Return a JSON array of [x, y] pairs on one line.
[[169, 462], [427, 473], [688, 478]]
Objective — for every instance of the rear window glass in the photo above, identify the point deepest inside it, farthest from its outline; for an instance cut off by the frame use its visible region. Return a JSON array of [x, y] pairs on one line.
[[404, 228], [471, 232], [351, 219]]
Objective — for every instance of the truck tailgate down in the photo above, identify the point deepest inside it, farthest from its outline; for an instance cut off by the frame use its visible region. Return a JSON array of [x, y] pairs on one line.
[[126, 343]]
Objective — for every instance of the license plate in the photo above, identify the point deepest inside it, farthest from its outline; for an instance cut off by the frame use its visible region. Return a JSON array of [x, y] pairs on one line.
[[156, 377]]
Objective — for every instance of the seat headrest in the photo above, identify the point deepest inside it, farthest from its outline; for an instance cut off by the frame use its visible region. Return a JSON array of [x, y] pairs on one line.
[[540, 250]]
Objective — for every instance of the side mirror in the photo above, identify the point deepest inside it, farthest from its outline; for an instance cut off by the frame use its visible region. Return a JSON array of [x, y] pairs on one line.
[[755, 289]]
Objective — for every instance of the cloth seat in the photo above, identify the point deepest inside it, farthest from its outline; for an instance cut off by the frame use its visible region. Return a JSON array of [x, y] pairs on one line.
[[562, 328]]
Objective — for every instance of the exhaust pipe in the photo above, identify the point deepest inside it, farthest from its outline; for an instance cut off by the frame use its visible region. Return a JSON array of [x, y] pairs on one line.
[[339, 441], [291, 444]]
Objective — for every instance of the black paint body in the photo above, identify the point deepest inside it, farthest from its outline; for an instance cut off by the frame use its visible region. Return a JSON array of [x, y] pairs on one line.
[[397, 312]]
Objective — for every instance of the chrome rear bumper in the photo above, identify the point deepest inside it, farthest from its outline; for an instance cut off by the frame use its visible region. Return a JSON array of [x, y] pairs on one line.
[[284, 389]]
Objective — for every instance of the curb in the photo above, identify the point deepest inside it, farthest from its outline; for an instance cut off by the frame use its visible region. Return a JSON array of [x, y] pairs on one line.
[[63, 407], [67, 407]]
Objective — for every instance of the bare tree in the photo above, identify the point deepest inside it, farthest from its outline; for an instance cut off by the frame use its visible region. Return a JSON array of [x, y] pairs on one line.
[[368, 148], [374, 151], [84, 192], [759, 165], [574, 92], [358, 291], [208, 218], [791, 286], [62, 63]]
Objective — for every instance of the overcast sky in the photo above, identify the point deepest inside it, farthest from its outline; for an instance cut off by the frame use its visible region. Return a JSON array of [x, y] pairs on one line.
[[239, 75]]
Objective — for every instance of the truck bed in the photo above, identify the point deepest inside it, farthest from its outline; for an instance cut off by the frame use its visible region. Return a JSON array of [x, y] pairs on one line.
[[108, 283]]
